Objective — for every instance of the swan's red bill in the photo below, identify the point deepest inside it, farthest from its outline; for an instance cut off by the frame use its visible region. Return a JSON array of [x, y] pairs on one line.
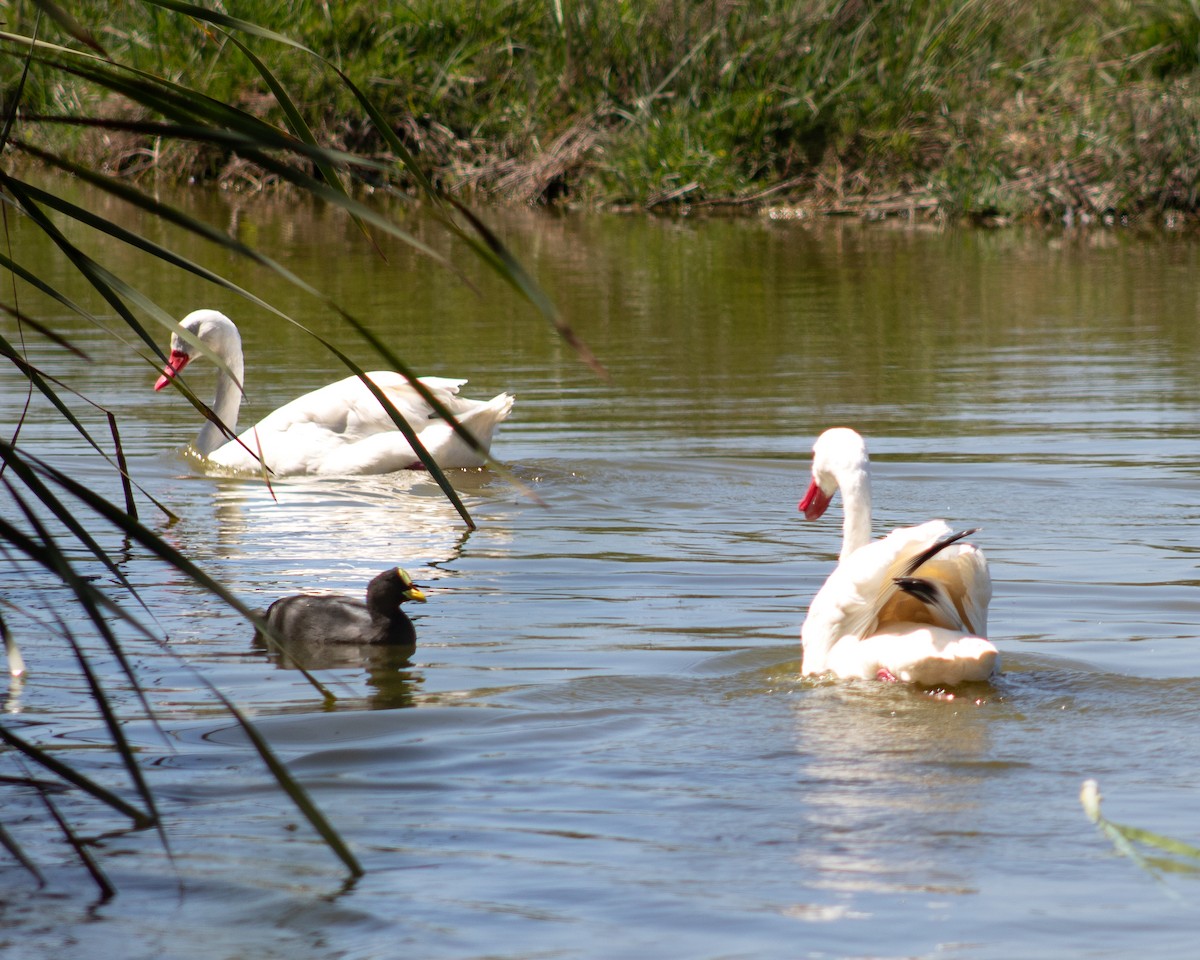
[[815, 501], [175, 364]]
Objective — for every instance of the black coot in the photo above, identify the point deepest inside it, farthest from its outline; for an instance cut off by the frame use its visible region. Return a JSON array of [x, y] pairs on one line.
[[316, 619]]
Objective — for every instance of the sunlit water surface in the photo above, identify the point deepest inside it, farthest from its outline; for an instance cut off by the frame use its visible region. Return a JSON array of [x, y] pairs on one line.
[[601, 748]]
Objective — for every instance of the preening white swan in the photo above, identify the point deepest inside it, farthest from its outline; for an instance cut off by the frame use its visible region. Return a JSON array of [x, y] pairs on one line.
[[911, 606], [340, 429]]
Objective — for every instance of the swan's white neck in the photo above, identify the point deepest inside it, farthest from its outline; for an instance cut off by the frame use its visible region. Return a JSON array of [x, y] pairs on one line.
[[855, 485], [227, 401], [220, 335]]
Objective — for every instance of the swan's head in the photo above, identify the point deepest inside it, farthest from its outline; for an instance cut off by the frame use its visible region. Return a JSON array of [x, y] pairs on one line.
[[392, 588], [212, 328], [839, 460]]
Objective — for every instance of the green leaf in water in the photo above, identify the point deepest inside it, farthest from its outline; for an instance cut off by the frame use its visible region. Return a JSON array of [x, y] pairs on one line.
[[1124, 837]]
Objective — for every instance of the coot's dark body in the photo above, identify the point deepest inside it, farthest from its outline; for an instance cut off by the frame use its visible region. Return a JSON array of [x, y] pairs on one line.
[[315, 619]]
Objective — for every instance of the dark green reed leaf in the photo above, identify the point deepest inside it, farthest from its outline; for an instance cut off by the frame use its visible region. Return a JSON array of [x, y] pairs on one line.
[[99, 696], [247, 148], [105, 226], [35, 377], [291, 155], [18, 853], [69, 24], [102, 280], [35, 196], [47, 761], [16, 96], [108, 714], [410, 434], [50, 555], [115, 290], [150, 541], [395, 144], [65, 515], [107, 890], [25, 320], [293, 789], [32, 197], [299, 127], [123, 467], [169, 214], [225, 20], [492, 251], [83, 593], [519, 279], [386, 352]]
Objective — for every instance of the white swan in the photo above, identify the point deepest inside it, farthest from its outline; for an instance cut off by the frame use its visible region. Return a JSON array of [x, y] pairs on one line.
[[911, 606], [340, 429]]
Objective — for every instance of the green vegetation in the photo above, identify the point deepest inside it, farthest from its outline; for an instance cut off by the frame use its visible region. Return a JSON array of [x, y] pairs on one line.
[[978, 108], [1167, 855]]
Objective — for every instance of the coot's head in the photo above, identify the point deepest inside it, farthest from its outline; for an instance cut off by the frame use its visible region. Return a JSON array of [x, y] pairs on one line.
[[392, 588]]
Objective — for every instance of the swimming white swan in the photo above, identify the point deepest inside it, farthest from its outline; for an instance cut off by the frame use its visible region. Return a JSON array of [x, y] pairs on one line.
[[339, 429], [911, 606]]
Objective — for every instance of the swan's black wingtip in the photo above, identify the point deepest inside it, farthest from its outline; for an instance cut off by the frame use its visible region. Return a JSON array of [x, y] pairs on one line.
[[924, 590], [936, 548]]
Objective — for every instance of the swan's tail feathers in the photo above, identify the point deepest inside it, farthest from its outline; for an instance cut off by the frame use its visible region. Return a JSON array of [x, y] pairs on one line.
[[934, 549], [502, 404], [483, 416], [450, 450]]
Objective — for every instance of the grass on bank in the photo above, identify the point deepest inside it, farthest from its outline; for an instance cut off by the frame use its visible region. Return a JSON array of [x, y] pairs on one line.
[[980, 108]]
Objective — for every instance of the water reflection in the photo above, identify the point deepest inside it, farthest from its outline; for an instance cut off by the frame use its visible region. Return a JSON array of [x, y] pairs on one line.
[[312, 532], [386, 670], [1043, 388], [12, 699], [884, 765], [316, 534], [307, 513]]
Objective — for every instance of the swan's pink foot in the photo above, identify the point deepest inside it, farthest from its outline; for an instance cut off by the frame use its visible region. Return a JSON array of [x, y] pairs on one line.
[[886, 676]]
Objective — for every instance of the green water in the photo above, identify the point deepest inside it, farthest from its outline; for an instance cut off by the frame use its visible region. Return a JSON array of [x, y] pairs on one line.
[[601, 748]]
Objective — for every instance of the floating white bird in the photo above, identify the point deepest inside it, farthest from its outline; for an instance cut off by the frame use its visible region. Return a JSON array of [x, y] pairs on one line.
[[340, 429], [911, 606]]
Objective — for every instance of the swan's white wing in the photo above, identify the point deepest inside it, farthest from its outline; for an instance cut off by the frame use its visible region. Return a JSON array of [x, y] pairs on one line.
[[288, 447], [342, 429], [348, 409], [861, 592], [895, 607]]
